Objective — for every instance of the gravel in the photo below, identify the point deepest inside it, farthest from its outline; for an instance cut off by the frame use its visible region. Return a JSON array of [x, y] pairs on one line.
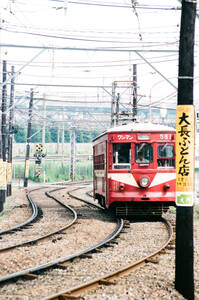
[[153, 281]]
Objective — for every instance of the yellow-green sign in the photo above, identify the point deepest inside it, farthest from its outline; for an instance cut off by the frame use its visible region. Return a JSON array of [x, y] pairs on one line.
[[27, 164], [3, 166], [185, 155], [9, 173]]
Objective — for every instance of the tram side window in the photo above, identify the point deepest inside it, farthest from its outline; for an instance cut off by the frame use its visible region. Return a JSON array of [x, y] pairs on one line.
[[99, 162], [166, 156], [122, 156]]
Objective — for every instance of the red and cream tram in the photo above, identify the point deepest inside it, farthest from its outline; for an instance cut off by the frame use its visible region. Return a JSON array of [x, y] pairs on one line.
[[134, 169]]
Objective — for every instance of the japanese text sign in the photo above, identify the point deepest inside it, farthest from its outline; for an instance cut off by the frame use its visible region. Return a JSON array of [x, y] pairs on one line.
[[185, 156]]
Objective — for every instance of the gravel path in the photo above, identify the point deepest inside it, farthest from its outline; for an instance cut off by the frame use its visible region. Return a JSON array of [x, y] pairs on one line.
[[154, 281]]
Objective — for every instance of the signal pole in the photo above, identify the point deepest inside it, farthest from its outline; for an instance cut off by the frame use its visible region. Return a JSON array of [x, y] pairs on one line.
[[27, 162], [185, 156]]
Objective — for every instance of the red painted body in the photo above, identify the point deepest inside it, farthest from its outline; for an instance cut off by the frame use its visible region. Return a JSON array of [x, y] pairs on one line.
[[150, 183]]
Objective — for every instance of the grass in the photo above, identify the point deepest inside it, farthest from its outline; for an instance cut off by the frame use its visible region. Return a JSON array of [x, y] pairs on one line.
[[55, 171]]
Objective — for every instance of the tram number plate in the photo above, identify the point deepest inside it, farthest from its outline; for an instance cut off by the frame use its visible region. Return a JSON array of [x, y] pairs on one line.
[[165, 136]]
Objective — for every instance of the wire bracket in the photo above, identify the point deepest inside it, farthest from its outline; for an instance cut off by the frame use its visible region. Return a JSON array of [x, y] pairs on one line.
[[186, 77], [191, 1]]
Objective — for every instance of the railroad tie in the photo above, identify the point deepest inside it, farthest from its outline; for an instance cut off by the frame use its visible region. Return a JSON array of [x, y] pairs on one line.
[[30, 276], [106, 282], [152, 260], [86, 255], [70, 297]]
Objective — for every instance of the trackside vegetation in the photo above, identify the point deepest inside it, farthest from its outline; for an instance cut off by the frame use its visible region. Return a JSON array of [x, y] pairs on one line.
[[55, 171]]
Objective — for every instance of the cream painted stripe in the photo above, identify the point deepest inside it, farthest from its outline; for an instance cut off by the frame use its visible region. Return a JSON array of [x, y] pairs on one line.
[[124, 178], [162, 177]]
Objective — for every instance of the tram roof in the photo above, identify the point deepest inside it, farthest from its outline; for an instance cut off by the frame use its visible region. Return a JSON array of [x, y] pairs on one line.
[[138, 127], [145, 127]]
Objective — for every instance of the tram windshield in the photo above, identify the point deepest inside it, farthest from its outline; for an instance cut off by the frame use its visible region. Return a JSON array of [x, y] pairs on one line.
[[166, 156], [143, 153], [122, 156]]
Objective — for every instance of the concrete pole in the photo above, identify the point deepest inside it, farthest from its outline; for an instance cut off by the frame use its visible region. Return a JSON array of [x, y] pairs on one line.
[[44, 136], [72, 154]]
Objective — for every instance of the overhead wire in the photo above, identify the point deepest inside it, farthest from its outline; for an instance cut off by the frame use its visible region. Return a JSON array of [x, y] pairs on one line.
[[102, 3], [148, 43]]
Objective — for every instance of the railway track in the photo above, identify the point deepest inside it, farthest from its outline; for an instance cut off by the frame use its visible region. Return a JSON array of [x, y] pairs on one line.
[[79, 290], [67, 267], [35, 214], [34, 217], [30, 272]]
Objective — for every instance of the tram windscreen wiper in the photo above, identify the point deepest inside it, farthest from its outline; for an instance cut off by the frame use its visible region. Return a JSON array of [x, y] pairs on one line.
[[141, 146], [163, 148]]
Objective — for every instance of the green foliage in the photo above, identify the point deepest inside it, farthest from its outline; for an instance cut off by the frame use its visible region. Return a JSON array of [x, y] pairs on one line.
[[84, 170], [56, 171], [52, 135], [21, 135], [37, 138]]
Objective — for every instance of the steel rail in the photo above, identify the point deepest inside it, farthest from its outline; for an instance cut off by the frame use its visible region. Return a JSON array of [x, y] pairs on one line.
[[34, 207], [108, 279], [35, 212], [51, 233], [29, 271], [86, 201]]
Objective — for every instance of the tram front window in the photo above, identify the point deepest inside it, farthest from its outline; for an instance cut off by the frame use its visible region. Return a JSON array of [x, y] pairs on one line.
[[166, 156], [122, 156], [143, 153]]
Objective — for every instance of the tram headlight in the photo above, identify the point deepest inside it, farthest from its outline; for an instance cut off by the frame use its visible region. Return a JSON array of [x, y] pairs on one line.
[[144, 181]]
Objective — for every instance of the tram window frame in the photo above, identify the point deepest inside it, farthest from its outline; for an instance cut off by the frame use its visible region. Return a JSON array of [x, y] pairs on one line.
[[141, 150], [165, 160], [118, 154]]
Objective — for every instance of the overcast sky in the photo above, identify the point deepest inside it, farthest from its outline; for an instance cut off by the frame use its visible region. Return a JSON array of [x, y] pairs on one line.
[[55, 24]]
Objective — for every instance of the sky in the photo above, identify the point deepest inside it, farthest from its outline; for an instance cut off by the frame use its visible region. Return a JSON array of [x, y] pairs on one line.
[[91, 29]]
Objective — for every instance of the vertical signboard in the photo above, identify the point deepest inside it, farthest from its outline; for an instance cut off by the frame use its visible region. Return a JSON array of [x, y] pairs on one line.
[[185, 156], [3, 166]]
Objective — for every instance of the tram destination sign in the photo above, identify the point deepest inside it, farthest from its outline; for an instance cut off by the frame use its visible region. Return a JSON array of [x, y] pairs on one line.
[[185, 155]]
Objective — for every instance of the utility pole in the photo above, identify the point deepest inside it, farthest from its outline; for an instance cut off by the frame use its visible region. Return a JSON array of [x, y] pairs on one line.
[[44, 136], [63, 131], [27, 162], [72, 154], [10, 136], [134, 91], [3, 186], [58, 138], [113, 109], [117, 108], [185, 156]]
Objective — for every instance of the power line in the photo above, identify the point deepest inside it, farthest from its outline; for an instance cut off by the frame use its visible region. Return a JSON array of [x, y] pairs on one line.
[[85, 39], [100, 49]]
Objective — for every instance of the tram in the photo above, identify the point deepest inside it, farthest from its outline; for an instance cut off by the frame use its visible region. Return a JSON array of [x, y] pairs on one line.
[[134, 169]]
